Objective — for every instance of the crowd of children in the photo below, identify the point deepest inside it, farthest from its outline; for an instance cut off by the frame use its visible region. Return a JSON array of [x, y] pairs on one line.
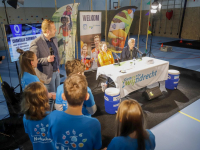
[[71, 126]]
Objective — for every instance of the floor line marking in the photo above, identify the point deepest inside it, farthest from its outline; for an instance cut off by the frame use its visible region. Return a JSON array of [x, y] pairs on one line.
[[189, 116]]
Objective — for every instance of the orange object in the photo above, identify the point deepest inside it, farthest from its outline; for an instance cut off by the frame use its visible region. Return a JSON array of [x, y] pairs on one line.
[[162, 45], [129, 11], [105, 58], [181, 41]]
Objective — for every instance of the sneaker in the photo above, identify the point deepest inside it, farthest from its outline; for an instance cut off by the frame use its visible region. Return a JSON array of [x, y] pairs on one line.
[[103, 86]]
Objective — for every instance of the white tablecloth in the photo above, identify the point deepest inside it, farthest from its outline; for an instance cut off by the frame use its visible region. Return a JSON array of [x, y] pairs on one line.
[[137, 76]]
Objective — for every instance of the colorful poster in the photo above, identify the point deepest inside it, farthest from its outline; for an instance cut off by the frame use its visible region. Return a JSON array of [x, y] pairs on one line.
[[90, 35], [119, 28], [65, 19]]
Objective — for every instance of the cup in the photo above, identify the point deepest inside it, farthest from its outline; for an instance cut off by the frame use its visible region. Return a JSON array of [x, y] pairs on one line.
[[53, 95], [131, 63]]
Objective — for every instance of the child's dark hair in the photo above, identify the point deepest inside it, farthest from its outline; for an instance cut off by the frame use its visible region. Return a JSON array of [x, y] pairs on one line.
[[64, 17], [35, 101], [25, 59], [74, 67], [130, 119], [75, 89]]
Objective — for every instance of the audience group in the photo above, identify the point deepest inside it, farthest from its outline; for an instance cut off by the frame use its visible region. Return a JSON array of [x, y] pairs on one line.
[[71, 126]]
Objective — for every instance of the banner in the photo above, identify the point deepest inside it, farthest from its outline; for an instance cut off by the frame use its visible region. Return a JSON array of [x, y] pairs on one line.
[[119, 28], [65, 19], [16, 30], [22, 42], [90, 35]]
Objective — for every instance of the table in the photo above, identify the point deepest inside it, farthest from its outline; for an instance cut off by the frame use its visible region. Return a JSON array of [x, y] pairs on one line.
[[137, 76]]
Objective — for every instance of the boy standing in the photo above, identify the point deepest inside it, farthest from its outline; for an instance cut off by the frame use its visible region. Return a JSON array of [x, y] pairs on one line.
[[71, 129], [75, 67]]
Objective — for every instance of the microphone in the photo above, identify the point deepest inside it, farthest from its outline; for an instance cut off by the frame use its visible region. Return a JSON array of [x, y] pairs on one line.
[[117, 58]]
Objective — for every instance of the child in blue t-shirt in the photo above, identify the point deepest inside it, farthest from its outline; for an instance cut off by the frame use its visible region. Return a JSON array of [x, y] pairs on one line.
[[28, 62], [35, 106], [75, 67], [131, 133], [71, 129]]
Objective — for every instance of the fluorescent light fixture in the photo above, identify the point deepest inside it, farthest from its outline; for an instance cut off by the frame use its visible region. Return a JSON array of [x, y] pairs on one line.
[[155, 5], [153, 11], [159, 6]]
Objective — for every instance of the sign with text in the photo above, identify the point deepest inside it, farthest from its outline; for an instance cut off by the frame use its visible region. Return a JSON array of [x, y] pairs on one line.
[[90, 35], [22, 42]]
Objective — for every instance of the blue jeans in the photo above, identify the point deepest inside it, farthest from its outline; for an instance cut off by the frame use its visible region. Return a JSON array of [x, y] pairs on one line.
[[55, 82]]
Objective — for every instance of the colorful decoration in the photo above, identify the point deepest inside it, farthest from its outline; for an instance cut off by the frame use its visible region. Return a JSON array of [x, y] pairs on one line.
[[169, 14], [147, 14], [149, 23], [119, 28], [149, 32]]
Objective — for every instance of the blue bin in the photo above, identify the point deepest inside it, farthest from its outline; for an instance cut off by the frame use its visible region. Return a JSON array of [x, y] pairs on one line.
[[111, 107], [173, 79], [111, 100]]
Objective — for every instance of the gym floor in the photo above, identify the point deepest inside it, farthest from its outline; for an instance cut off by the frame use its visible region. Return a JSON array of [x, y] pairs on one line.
[[180, 131]]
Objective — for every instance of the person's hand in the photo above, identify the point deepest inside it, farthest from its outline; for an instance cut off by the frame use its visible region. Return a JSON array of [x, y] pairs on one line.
[[58, 70], [104, 148], [50, 58], [50, 95]]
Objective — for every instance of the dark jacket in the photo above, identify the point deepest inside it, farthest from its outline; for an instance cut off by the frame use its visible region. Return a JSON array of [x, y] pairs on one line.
[[126, 55], [44, 69]]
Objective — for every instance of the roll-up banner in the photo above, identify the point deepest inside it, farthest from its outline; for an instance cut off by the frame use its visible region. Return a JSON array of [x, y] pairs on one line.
[[65, 19], [119, 28], [90, 35]]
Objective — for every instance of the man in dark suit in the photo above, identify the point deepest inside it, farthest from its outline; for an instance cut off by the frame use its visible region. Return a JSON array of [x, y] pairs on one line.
[[130, 51], [46, 49]]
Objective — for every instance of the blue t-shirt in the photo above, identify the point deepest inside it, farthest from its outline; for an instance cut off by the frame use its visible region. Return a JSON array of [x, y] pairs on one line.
[[74, 132], [27, 79], [87, 103], [124, 143], [37, 131]]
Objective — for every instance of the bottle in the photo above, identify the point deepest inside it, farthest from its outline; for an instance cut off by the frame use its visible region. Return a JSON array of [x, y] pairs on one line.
[[134, 61]]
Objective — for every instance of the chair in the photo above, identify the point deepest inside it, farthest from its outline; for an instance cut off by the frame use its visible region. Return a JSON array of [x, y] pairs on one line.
[[8, 126]]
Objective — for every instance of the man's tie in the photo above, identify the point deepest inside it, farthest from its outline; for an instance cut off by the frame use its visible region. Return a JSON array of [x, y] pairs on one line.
[[131, 51]]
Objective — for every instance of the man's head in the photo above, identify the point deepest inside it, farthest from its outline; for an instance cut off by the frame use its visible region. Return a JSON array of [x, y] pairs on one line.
[[131, 43], [74, 67], [96, 41], [48, 28], [75, 90]]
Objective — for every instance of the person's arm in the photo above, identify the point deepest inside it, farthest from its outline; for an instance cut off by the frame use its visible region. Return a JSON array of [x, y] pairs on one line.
[[90, 104], [100, 60], [58, 103], [34, 48], [59, 30]]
